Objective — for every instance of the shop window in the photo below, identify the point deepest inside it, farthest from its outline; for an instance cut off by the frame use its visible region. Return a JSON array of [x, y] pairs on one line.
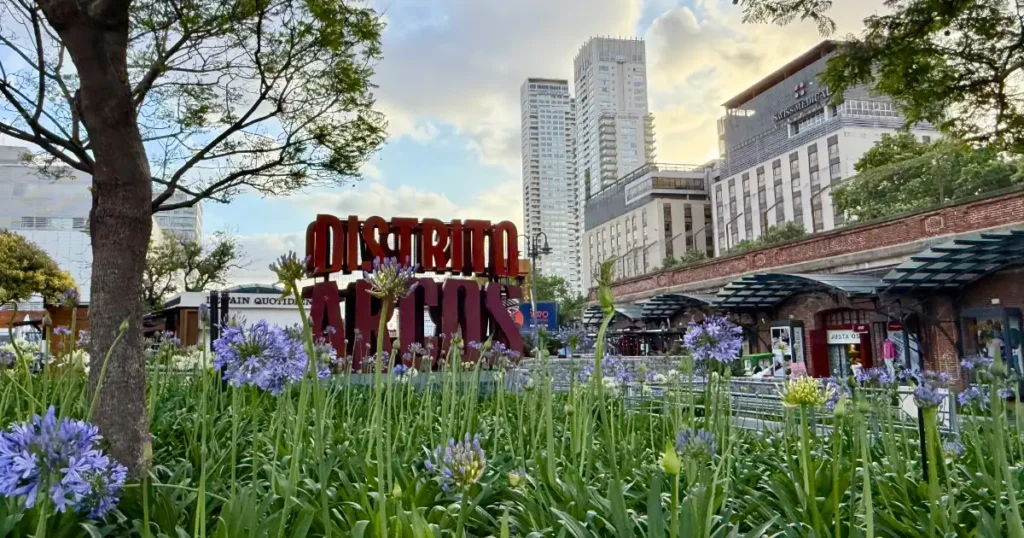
[[985, 330]]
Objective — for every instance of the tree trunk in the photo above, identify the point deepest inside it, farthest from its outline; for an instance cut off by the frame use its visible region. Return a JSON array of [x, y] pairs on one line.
[[95, 33]]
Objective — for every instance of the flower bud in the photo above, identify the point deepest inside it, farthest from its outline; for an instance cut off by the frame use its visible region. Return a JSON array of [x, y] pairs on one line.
[[863, 407], [569, 409], [396, 492], [670, 460], [124, 326], [47, 322], [515, 479], [840, 410]]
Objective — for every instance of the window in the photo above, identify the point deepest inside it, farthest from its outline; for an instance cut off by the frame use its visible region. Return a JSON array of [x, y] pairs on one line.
[[709, 243], [807, 122], [926, 139], [748, 217], [780, 205], [687, 227], [814, 181], [762, 199], [835, 174], [667, 213], [794, 181]]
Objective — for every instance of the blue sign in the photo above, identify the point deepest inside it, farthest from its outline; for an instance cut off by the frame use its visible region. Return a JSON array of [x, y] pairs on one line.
[[547, 316]]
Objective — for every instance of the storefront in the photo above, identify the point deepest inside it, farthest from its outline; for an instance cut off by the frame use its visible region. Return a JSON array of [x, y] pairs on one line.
[[973, 290]]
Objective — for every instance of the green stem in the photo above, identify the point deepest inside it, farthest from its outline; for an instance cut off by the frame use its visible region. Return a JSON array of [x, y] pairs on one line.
[[865, 452], [810, 496], [931, 438]]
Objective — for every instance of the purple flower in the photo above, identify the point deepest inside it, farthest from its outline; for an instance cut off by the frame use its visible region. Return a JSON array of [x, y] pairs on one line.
[[263, 356], [971, 364], [696, 444], [974, 395], [927, 394], [390, 279], [878, 377], [61, 330], [70, 298], [458, 465], [168, 337], [204, 314], [83, 338], [7, 358], [716, 338], [954, 448], [836, 389], [1006, 393], [399, 370], [65, 458]]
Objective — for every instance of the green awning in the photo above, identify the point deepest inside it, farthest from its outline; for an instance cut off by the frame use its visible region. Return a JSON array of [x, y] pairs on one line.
[[666, 305], [769, 289], [957, 263]]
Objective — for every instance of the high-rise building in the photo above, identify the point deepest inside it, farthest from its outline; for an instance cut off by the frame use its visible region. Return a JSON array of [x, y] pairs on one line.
[[614, 130], [184, 223], [550, 193], [785, 145]]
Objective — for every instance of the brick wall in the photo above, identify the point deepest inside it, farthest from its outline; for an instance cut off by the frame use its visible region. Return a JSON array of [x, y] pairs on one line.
[[1005, 208]]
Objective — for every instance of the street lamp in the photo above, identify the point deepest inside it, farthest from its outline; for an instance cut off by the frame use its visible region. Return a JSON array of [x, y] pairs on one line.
[[534, 250]]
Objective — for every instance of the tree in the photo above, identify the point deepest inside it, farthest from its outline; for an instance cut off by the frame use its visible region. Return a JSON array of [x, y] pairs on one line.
[[773, 235], [202, 98], [691, 257], [26, 270], [952, 63], [556, 289], [188, 265], [892, 148], [948, 170], [782, 233]]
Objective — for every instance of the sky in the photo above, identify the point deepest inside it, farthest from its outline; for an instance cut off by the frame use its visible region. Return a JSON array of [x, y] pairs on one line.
[[449, 84]]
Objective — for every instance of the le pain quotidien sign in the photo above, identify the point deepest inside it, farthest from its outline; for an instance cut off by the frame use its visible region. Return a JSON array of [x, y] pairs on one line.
[[460, 248]]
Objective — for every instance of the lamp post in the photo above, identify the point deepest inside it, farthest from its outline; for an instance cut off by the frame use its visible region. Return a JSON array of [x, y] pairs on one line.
[[534, 250], [727, 235]]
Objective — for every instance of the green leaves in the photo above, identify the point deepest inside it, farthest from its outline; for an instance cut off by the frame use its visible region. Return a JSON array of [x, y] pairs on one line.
[[25, 269]]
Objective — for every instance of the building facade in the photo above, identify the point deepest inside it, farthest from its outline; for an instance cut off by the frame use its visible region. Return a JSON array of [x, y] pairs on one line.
[[614, 130], [51, 211], [550, 192], [785, 146], [186, 223], [654, 212]]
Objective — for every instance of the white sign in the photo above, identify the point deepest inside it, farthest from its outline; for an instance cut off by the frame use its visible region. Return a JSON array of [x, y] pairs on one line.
[[843, 337]]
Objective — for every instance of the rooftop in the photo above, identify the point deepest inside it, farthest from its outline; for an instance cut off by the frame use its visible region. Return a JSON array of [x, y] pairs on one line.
[[819, 51]]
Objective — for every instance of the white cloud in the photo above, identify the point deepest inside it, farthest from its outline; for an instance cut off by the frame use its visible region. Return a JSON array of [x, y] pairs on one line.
[[700, 57], [462, 62], [503, 202]]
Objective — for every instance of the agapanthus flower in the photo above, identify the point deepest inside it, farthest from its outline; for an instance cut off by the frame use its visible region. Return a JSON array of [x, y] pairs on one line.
[[974, 395], [878, 376], [696, 444], [289, 270], [1005, 393], [64, 458], [716, 339], [458, 465], [971, 364], [953, 448], [390, 279], [7, 358], [204, 315], [61, 330], [928, 393], [836, 389], [263, 356], [169, 338], [804, 390], [70, 298], [83, 339]]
